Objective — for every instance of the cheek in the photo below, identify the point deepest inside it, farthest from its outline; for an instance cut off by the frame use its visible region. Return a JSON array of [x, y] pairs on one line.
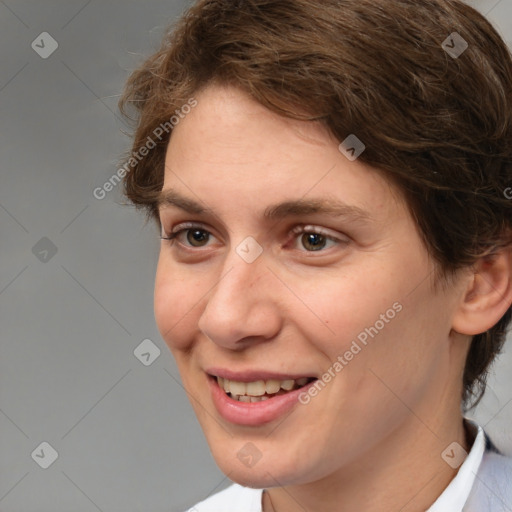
[[176, 305], [401, 352], [371, 319], [342, 307]]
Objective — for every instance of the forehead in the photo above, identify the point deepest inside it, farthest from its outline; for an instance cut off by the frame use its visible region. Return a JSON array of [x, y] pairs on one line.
[[230, 148], [227, 123]]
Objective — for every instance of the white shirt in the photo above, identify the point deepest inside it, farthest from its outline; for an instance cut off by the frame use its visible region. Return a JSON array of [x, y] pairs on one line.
[[483, 483], [456, 494]]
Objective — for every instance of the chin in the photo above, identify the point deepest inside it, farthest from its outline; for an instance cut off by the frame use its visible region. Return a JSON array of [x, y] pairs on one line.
[[261, 478], [261, 473]]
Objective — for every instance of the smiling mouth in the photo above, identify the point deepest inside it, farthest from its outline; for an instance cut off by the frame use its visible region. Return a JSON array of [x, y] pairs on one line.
[[260, 390]]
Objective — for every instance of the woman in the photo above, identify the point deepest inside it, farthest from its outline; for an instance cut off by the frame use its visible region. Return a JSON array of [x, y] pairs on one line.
[[335, 275]]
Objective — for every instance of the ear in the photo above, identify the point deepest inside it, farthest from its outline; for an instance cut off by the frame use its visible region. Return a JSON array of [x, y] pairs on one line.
[[488, 294]]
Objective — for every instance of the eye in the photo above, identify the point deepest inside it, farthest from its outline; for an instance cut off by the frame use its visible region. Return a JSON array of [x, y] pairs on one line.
[[314, 238], [189, 235], [310, 238]]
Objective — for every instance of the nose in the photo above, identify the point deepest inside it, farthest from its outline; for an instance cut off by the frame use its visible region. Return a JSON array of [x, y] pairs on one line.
[[242, 308]]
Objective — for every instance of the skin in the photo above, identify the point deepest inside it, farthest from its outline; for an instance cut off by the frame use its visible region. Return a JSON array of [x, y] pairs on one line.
[[382, 423]]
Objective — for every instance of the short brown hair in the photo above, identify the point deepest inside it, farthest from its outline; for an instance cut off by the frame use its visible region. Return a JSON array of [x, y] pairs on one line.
[[437, 125]]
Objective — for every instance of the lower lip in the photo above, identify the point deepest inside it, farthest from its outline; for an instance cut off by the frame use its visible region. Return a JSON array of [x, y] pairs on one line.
[[253, 413]]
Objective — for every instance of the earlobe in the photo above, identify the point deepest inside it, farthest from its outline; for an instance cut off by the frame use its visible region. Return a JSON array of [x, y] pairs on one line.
[[488, 294]]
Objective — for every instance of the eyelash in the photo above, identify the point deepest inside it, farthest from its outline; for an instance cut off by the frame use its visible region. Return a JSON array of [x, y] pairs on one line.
[[298, 230]]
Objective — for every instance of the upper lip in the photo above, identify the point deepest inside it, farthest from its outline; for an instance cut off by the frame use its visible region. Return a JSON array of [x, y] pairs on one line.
[[254, 375]]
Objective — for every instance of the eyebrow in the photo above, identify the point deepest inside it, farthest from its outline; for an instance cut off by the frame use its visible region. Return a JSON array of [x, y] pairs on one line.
[[282, 210]]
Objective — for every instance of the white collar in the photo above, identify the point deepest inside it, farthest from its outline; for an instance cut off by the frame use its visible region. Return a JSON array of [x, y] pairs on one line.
[[454, 497]]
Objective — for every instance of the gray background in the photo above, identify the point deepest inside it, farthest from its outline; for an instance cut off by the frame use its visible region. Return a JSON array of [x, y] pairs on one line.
[[126, 436]]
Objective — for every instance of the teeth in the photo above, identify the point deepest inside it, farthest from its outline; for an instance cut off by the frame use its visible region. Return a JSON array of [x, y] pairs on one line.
[[237, 388], [272, 386], [257, 391], [256, 388], [288, 384], [245, 398]]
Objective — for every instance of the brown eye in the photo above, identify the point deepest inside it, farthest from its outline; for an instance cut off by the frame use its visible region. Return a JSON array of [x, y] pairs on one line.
[[313, 241], [196, 237], [309, 238]]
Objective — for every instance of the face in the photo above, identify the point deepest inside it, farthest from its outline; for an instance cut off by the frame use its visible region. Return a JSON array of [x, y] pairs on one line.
[[288, 262]]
